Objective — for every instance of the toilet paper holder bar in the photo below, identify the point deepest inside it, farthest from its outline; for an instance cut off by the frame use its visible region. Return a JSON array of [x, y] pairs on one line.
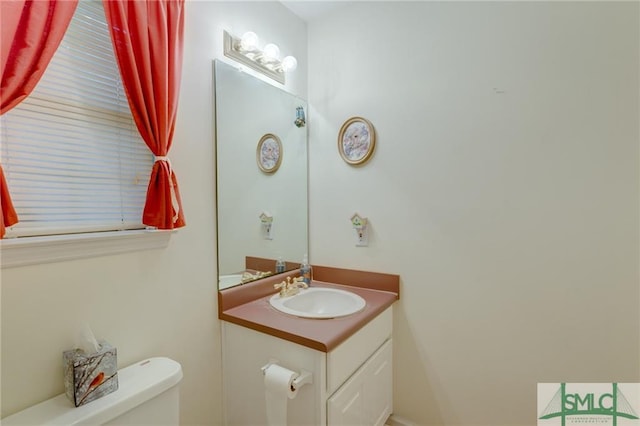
[[301, 379]]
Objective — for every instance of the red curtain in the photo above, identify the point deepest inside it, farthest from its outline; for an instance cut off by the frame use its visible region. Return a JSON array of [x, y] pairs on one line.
[[31, 33], [147, 38], [9, 216]]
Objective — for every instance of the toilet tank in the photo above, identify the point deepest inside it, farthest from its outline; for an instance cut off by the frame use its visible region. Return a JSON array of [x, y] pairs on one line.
[[147, 394]]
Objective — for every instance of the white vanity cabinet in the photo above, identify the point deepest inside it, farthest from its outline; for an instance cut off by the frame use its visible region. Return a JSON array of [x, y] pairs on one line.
[[352, 384]]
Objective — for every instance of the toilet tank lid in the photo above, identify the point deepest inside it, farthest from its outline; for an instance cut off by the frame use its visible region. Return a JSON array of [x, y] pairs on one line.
[[137, 384]]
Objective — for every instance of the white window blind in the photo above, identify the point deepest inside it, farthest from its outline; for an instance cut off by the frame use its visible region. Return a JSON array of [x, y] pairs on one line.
[[71, 153]]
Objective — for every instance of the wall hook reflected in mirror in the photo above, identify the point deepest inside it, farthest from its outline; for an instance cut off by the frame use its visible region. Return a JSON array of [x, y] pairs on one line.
[[266, 219], [300, 119]]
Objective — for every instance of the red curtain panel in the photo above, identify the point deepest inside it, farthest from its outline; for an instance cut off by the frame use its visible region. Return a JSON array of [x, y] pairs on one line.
[[148, 38], [31, 33]]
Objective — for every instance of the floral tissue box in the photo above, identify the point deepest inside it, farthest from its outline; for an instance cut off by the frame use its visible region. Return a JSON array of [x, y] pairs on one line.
[[89, 377]]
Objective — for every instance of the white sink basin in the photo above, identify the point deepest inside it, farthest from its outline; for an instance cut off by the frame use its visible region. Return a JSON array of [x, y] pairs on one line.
[[319, 302], [229, 280]]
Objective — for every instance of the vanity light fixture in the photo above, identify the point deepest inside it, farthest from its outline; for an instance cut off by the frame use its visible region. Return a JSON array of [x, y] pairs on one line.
[[266, 61], [271, 52]]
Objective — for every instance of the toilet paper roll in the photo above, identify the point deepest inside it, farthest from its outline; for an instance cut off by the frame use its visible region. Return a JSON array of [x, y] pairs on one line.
[[278, 386]]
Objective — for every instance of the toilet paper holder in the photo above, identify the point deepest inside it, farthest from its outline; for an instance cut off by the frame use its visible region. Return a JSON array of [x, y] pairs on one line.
[[301, 379]]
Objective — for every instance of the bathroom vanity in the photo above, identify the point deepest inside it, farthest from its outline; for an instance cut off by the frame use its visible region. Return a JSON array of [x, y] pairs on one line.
[[350, 358]]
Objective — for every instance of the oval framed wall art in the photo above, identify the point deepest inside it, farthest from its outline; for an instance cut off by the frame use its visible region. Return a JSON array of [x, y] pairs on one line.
[[356, 140], [269, 153]]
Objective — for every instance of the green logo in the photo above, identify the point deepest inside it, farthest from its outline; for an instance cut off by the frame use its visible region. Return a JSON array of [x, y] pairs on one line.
[[587, 403]]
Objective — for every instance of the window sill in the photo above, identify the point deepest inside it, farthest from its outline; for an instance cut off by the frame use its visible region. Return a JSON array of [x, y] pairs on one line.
[[37, 250]]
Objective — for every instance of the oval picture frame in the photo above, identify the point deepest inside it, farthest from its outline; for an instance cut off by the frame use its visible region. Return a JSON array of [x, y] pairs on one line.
[[269, 153], [356, 140]]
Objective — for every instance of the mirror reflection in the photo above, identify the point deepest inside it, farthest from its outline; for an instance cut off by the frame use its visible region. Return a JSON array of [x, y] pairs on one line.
[[261, 156]]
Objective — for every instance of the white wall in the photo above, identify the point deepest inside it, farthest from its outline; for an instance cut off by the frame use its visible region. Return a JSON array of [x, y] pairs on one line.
[[504, 191], [160, 302]]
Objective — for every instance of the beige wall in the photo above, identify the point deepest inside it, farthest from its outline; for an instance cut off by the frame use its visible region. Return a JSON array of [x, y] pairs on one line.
[[504, 191], [150, 303]]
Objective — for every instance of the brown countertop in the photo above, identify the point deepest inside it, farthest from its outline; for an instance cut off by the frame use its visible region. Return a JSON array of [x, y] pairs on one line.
[[256, 312]]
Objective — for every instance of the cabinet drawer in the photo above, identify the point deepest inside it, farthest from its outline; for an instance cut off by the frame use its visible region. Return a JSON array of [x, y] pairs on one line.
[[344, 360]]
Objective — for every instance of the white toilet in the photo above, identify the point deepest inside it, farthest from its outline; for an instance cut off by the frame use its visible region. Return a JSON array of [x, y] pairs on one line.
[[147, 394]]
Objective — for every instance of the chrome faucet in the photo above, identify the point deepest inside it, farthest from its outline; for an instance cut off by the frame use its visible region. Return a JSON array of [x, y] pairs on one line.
[[290, 287]]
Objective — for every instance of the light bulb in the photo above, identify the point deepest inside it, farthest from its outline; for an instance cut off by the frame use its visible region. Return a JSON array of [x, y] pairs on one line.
[[271, 51], [249, 40], [289, 63]]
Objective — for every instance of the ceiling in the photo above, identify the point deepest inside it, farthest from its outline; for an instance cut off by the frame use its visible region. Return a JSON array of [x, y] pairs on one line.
[[311, 10]]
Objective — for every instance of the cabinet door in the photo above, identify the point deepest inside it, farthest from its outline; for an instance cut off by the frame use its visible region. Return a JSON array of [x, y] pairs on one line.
[[378, 386], [347, 406], [365, 399]]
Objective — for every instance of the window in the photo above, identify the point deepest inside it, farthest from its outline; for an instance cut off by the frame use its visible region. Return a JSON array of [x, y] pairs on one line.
[[73, 158]]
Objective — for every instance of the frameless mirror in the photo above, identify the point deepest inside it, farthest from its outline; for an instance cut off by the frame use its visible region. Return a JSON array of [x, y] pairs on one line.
[[261, 157]]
